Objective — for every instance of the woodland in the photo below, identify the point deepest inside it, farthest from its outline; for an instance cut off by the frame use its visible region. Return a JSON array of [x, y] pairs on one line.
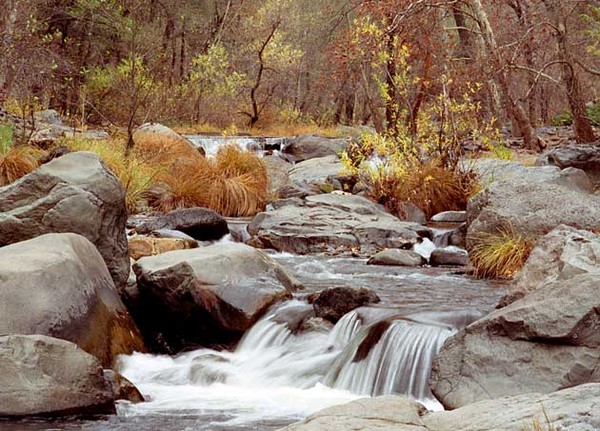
[[249, 64]]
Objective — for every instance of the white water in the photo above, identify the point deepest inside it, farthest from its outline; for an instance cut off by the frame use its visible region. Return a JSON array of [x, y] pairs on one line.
[[277, 374], [212, 144]]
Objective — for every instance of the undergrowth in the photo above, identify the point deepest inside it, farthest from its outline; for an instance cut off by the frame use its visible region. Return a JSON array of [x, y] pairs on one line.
[[501, 254], [15, 161]]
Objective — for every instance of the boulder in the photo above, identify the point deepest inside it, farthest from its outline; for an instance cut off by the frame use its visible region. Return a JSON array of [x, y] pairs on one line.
[[584, 157], [202, 224], [306, 147], [331, 223], [73, 193], [450, 217], [49, 116], [449, 256], [58, 285], [277, 172], [544, 342], [564, 253], [533, 203], [140, 246], [332, 303], [44, 376], [396, 257], [309, 177], [206, 296], [573, 409], [122, 388]]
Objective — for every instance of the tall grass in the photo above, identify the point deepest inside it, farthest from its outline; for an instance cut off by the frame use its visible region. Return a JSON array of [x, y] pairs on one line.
[[15, 161], [501, 254]]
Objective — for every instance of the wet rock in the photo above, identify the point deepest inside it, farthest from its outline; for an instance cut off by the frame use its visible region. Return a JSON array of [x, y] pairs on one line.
[[330, 222], [140, 246], [202, 224], [171, 233], [449, 256], [122, 388], [334, 302], [546, 341], [306, 147], [73, 193], [44, 376], [533, 203], [450, 217], [58, 285], [205, 370], [573, 409], [584, 157], [395, 257], [294, 316], [206, 296], [458, 237]]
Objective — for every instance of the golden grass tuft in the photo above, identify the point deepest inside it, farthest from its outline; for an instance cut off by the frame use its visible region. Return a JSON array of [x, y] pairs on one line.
[[501, 254], [17, 162], [162, 149]]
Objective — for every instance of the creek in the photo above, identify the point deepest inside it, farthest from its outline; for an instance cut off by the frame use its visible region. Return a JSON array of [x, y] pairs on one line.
[[278, 374]]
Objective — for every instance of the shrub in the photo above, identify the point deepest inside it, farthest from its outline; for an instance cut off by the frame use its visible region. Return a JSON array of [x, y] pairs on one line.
[[565, 118], [15, 161], [501, 254]]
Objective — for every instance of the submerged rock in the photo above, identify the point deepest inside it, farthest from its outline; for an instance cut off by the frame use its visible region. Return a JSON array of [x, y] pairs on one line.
[[122, 388], [206, 296], [58, 285], [334, 302], [44, 376], [73, 193], [332, 222]]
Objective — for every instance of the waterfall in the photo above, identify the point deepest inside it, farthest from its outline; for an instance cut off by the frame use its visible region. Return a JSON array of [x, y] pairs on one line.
[[211, 144], [390, 357]]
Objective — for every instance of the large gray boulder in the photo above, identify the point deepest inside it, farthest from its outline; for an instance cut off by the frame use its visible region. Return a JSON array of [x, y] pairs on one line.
[[546, 341], [572, 409], [584, 157], [564, 253], [277, 172], [311, 176], [532, 202], [46, 376], [58, 285], [206, 296], [306, 147], [332, 222], [73, 193]]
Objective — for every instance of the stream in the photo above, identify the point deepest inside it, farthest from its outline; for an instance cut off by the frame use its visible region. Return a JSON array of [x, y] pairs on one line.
[[279, 374]]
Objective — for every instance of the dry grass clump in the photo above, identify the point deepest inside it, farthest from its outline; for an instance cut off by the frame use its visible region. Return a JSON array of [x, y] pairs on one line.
[[158, 148], [18, 162], [501, 254], [234, 184], [134, 173]]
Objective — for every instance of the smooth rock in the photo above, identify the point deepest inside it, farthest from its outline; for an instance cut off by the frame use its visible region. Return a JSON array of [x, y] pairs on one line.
[[396, 257], [122, 388], [58, 285], [206, 296], [140, 246], [45, 376], [306, 147], [449, 256], [202, 224], [332, 222], [308, 177], [546, 341], [450, 217], [584, 157], [73, 193], [277, 172]]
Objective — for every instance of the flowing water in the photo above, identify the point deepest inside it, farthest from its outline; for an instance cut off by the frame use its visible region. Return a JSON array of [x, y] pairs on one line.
[[283, 371], [258, 144]]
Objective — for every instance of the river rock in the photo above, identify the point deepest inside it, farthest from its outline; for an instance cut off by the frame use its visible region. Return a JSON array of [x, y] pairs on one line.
[[140, 246], [564, 253], [58, 285], [546, 341], [46, 376], [122, 388], [73, 193], [207, 295], [334, 302], [306, 147], [572, 409], [202, 224], [450, 217], [311, 177], [277, 172], [533, 203], [449, 256], [396, 257], [584, 157], [332, 222]]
